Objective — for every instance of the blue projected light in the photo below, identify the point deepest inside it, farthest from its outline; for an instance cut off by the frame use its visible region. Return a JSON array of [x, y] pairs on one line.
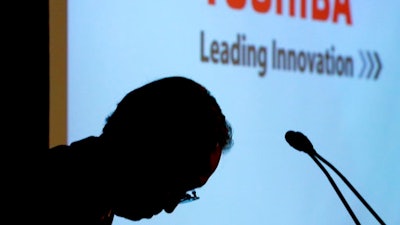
[[330, 70]]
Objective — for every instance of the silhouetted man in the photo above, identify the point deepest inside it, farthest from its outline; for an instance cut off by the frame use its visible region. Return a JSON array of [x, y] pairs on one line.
[[163, 140]]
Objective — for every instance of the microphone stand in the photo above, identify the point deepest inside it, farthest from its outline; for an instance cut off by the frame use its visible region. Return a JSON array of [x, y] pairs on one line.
[[338, 192], [350, 186]]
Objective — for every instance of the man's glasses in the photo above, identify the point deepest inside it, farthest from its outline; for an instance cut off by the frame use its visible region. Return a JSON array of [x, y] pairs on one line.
[[189, 197]]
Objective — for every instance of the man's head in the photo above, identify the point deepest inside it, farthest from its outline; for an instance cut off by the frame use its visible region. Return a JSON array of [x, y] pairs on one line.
[[167, 137]]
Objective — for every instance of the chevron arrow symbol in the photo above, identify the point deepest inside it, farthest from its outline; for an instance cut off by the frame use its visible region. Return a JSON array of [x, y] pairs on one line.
[[371, 65]]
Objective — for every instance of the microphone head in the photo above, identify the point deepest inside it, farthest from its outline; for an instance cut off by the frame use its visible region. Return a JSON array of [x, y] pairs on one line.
[[299, 141]]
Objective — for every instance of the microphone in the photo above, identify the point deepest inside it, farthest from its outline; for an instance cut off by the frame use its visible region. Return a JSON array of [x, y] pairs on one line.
[[301, 143]]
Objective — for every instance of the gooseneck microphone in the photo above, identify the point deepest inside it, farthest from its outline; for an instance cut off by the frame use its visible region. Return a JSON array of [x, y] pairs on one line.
[[301, 143]]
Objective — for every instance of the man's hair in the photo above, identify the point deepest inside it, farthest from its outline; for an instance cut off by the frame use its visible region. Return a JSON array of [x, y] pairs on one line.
[[172, 116]]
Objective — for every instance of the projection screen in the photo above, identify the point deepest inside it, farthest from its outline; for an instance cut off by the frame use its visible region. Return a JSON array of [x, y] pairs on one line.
[[329, 69]]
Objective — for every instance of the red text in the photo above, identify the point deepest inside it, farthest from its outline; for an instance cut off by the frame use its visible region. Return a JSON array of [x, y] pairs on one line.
[[321, 10]]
